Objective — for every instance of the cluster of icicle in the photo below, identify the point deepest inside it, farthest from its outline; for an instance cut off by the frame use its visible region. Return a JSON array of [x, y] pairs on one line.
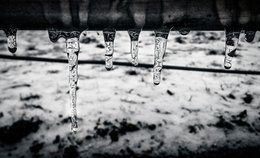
[[161, 35]]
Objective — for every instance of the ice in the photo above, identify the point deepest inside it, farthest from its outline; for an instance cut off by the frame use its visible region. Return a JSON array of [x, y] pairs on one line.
[[109, 36], [159, 51], [250, 35], [134, 36], [72, 50], [184, 31], [11, 39], [54, 35]]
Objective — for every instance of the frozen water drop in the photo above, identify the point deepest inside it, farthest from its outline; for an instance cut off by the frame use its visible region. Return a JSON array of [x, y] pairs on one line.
[[159, 51], [250, 35], [54, 35], [72, 50], [11, 39], [184, 31], [109, 36], [134, 36], [232, 39]]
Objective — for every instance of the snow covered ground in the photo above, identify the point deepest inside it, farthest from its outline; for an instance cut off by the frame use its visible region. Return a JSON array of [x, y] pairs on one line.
[[121, 112]]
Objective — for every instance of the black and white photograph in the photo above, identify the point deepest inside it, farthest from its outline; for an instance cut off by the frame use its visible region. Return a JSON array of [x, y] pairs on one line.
[[129, 79]]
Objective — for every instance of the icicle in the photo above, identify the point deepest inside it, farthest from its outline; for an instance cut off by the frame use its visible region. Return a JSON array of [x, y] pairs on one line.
[[109, 36], [232, 39], [11, 39], [54, 35], [134, 36], [72, 50], [250, 35], [184, 31], [159, 51]]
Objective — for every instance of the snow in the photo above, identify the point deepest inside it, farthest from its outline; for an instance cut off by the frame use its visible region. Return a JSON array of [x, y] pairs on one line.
[[189, 113]]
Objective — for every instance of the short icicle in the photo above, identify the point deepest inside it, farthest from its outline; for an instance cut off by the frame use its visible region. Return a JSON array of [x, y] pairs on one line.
[[54, 35], [232, 38], [134, 36], [11, 39], [72, 50], [184, 31], [109, 36], [159, 51], [250, 35]]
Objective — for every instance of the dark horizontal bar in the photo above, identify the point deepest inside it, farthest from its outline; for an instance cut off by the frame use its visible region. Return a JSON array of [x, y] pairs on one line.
[[96, 62], [129, 14]]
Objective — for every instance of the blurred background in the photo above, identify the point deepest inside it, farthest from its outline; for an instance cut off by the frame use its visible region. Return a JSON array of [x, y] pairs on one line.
[[121, 112]]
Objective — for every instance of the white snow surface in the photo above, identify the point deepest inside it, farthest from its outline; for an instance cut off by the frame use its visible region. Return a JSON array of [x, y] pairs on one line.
[[179, 116]]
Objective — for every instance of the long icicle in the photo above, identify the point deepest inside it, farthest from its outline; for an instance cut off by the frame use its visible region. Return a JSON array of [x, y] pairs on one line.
[[109, 37], [72, 50], [134, 36], [159, 51], [11, 39], [232, 38]]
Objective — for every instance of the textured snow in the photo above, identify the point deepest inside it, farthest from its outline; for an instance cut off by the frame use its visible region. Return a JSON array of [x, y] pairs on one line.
[[188, 113]]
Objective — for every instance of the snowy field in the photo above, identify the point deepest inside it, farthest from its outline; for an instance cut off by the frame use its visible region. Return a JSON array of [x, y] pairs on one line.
[[121, 112]]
